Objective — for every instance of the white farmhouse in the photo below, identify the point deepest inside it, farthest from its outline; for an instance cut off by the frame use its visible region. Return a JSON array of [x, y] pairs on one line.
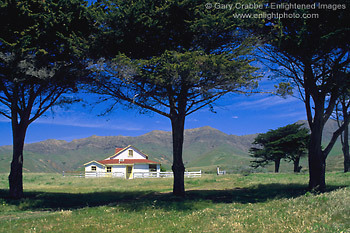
[[128, 162]]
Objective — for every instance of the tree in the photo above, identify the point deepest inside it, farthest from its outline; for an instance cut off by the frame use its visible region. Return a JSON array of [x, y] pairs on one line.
[[342, 111], [297, 141], [288, 142], [312, 53], [177, 59], [41, 47], [174, 85], [264, 153]]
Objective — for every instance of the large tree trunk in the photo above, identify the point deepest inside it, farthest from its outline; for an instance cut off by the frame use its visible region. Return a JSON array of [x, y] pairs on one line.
[[16, 173], [317, 160], [277, 165], [345, 147], [178, 124]]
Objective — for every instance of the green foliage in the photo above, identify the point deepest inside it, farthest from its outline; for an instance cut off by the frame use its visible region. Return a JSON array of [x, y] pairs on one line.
[[194, 78], [162, 168], [305, 38], [42, 49], [284, 89], [288, 142], [53, 32], [148, 28]]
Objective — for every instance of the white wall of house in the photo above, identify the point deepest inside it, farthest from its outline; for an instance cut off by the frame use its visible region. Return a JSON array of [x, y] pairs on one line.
[[99, 167], [118, 168], [125, 154]]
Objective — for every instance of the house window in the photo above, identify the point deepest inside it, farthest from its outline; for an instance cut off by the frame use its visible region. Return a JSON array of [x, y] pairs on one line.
[[131, 153], [93, 168], [109, 169], [153, 167]]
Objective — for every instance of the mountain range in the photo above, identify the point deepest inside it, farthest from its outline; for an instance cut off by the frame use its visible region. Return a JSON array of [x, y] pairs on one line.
[[204, 148]]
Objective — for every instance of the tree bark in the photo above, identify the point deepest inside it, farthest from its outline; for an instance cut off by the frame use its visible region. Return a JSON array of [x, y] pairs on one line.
[[345, 148], [317, 160], [296, 164], [16, 173], [277, 165], [178, 124]]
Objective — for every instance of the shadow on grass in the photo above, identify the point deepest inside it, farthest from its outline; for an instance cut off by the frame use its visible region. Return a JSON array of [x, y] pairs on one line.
[[141, 200]]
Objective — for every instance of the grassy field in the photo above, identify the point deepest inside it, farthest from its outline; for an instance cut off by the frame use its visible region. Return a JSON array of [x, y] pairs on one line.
[[231, 203]]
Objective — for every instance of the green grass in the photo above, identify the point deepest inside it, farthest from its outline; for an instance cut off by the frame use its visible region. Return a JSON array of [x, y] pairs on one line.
[[231, 203]]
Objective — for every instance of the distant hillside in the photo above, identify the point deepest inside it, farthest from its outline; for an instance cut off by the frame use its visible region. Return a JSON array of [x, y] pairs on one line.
[[330, 127], [58, 155], [204, 148]]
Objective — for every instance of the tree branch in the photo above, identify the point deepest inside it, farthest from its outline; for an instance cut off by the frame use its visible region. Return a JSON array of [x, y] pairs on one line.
[[51, 99], [336, 135], [5, 115]]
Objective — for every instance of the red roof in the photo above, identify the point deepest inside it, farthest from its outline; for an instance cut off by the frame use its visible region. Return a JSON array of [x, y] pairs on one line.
[[117, 150], [127, 161]]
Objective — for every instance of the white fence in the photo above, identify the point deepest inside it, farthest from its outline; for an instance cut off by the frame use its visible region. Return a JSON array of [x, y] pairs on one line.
[[104, 174], [134, 174], [164, 174]]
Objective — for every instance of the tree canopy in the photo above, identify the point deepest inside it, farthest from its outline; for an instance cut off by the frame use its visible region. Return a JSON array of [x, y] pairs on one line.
[[289, 142], [161, 83], [148, 28]]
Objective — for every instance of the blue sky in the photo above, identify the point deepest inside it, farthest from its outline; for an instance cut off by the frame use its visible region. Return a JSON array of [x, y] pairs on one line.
[[236, 114]]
